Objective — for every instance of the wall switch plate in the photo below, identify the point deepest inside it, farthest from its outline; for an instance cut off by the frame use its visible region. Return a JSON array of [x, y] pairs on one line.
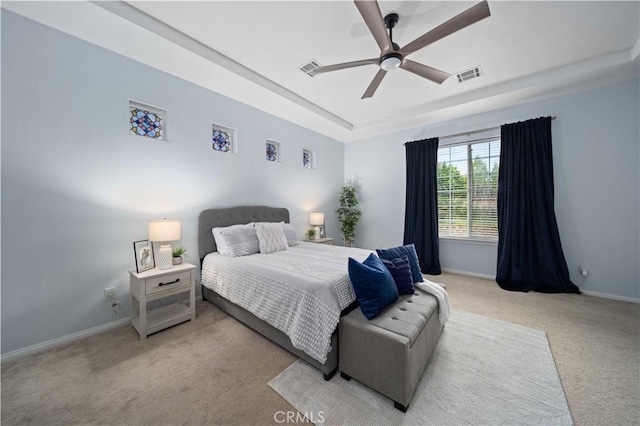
[[110, 294]]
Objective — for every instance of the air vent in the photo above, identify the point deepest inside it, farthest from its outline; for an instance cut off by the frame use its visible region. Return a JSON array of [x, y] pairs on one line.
[[309, 67], [469, 74]]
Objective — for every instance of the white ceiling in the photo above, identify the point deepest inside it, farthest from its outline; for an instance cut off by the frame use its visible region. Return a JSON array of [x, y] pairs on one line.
[[251, 51]]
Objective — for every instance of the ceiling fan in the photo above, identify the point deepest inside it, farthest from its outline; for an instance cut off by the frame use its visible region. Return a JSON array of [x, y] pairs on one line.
[[392, 56]]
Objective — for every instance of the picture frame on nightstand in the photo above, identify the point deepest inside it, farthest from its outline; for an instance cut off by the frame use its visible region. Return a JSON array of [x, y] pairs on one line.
[[143, 251]]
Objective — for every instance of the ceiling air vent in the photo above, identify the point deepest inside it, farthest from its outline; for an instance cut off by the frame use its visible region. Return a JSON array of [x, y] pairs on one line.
[[469, 74], [309, 67]]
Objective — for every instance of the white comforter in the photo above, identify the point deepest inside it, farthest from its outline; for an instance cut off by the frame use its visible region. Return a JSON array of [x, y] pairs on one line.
[[300, 291]]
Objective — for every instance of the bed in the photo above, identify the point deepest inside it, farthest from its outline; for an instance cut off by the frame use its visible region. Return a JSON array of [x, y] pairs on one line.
[[275, 293]]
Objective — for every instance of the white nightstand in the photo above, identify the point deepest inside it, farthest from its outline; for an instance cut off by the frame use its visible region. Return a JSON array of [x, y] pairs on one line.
[[328, 241], [156, 284]]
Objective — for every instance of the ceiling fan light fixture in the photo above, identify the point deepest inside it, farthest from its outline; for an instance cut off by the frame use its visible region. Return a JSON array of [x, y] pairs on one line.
[[390, 61]]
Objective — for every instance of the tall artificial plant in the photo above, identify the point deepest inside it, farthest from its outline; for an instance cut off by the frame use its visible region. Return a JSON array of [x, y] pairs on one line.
[[348, 213]]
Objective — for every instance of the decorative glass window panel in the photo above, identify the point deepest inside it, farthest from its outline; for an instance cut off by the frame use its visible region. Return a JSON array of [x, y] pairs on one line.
[[147, 121], [223, 139], [273, 151], [307, 159]]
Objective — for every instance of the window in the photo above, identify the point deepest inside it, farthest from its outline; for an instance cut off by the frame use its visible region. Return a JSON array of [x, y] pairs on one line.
[[147, 121], [223, 139], [308, 159], [274, 150], [468, 190]]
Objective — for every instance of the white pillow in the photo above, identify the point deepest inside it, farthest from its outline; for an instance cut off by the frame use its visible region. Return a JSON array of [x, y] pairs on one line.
[[289, 232], [221, 244], [271, 237], [240, 241]]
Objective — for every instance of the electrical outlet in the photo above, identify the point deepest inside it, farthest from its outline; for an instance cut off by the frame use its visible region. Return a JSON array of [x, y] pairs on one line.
[[583, 270], [110, 294]]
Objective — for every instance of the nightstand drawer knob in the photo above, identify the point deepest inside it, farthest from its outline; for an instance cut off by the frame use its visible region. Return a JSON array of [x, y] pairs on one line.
[[172, 282]]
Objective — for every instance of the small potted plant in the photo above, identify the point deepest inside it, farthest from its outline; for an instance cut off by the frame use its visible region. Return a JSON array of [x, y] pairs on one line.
[[177, 255], [311, 233]]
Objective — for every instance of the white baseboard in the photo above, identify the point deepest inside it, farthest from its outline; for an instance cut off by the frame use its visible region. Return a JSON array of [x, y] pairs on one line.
[[585, 292], [610, 296], [469, 274], [50, 344]]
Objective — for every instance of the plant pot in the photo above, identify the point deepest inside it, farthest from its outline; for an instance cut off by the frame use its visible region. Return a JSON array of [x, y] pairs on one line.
[[177, 260]]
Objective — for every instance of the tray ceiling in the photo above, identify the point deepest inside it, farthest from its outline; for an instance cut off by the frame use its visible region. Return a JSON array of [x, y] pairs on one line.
[[252, 51]]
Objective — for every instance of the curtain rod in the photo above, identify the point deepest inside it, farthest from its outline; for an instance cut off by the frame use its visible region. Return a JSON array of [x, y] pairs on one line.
[[476, 131]]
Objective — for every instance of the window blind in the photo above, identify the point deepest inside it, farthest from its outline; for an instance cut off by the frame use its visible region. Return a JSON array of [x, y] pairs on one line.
[[468, 190]]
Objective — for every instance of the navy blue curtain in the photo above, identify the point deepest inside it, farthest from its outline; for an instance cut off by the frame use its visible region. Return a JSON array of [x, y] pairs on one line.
[[421, 207], [530, 255]]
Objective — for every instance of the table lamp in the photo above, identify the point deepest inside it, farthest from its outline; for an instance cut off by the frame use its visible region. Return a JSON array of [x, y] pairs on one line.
[[164, 231], [317, 220]]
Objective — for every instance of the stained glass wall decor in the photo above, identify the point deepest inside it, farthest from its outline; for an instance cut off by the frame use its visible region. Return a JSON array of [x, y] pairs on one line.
[[223, 139], [308, 160], [147, 121], [273, 151]]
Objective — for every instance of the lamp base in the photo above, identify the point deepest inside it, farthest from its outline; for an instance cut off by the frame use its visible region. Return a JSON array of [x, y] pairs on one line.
[[165, 257]]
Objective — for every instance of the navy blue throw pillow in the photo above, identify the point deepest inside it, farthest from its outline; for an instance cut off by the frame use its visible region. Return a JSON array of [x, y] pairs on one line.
[[408, 250], [400, 270], [373, 285]]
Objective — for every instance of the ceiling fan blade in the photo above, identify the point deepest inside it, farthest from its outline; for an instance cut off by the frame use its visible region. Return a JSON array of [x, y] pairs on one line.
[[464, 19], [372, 16], [345, 65], [374, 84], [425, 71]]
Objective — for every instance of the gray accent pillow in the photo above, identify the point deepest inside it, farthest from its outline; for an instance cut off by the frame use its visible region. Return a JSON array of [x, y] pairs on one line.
[[221, 243], [240, 242], [290, 233]]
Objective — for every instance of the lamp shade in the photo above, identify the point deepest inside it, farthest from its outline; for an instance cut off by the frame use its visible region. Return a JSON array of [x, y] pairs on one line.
[[316, 219], [164, 230]]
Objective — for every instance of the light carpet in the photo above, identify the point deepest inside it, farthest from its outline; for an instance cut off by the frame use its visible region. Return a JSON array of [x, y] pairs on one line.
[[483, 371]]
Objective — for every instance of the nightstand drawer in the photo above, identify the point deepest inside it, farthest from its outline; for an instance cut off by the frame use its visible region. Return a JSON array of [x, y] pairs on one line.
[[167, 282]]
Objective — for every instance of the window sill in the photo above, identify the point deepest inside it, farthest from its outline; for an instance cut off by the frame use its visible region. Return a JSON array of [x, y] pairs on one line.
[[476, 241]]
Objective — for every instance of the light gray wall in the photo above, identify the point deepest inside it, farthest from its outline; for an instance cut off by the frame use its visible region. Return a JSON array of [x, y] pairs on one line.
[[596, 140], [77, 189]]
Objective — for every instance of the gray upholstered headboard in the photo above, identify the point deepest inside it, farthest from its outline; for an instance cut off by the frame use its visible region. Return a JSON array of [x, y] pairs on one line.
[[232, 216]]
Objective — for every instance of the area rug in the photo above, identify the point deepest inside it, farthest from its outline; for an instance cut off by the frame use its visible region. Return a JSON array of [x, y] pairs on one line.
[[483, 372]]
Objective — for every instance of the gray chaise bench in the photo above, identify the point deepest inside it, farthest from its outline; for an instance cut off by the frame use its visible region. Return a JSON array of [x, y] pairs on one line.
[[390, 352]]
